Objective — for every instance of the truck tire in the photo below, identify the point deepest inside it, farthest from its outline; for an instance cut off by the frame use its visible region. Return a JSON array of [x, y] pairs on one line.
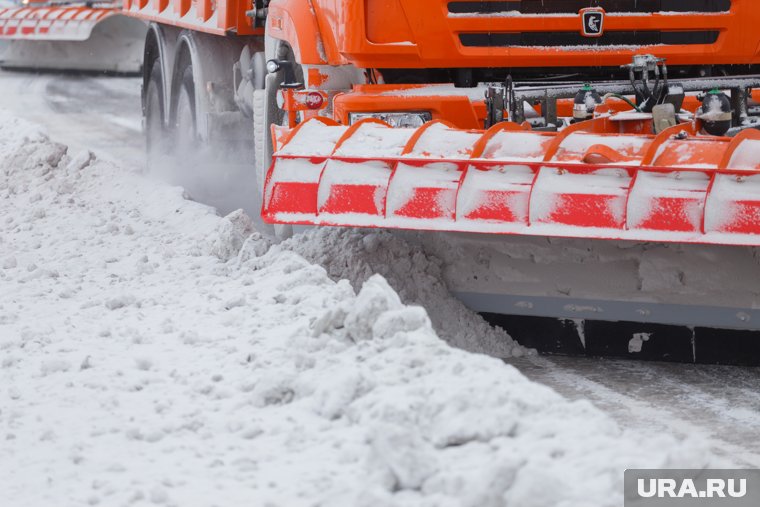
[[261, 154], [155, 132], [185, 130], [266, 112]]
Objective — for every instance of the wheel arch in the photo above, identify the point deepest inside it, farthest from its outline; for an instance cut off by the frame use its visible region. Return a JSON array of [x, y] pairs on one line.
[[297, 23]]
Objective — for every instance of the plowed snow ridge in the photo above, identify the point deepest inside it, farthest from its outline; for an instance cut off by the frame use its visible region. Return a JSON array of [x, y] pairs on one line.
[[418, 279], [147, 359]]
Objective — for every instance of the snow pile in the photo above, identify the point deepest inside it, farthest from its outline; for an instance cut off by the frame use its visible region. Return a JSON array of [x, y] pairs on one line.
[[156, 354], [357, 255]]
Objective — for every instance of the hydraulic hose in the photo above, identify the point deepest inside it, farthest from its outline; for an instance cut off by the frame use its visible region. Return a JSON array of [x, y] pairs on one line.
[[624, 99]]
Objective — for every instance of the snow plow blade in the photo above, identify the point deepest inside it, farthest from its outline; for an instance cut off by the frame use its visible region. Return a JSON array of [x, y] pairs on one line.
[[606, 178], [71, 37]]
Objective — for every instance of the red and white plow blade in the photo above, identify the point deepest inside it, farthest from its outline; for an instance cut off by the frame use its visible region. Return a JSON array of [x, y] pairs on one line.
[[62, 36], [586, 181], [60, 23]]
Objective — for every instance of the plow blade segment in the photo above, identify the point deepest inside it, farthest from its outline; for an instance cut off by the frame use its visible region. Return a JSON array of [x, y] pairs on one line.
[[497, 195], [668, 201], [292, 184], [733, 205], [508, 180], [423, 192], [596, 199], [95, 39], [353, 186], [353, 189]]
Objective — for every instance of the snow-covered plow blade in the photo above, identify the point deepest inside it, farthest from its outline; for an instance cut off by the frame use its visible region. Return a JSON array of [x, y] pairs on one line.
[[80, 37], [605, 178]]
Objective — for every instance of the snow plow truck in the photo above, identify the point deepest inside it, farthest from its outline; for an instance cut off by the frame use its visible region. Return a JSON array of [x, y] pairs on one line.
[[588, 168]]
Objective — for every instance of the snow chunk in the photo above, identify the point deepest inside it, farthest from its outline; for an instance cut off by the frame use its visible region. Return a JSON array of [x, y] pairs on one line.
[[120, 301], [231, 234], [81, 160], [375, 299]]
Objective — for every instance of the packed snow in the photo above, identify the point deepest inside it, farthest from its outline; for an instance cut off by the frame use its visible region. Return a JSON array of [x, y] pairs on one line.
[[154, 353], [417, 278]]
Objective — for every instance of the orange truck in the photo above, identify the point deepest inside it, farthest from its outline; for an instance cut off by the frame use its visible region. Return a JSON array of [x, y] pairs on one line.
[[499, 125], [515, 122]]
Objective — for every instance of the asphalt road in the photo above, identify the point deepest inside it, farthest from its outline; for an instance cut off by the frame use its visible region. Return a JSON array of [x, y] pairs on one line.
[[717, 403]]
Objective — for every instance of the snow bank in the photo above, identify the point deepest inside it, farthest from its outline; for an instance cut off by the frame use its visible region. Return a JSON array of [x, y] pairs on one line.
[[418, 278], [156, 354]]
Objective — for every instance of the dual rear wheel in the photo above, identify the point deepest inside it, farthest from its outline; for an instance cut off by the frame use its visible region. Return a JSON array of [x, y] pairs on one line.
[[212, 171], [224, 168], [167, 141]]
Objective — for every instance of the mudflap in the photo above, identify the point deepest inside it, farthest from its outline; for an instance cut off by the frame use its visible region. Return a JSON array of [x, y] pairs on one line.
[[632, 340]]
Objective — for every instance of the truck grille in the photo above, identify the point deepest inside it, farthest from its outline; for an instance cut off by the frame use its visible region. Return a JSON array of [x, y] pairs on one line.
[[569, 39], [573, 6]]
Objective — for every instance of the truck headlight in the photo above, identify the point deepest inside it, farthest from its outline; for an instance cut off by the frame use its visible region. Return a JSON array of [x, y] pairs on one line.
[[396, 120]]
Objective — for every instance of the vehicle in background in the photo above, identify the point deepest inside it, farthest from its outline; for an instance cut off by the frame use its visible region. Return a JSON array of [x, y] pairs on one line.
[[66, 35]]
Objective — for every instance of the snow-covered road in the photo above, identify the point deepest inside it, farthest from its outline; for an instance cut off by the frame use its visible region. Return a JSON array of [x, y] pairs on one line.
[[145, 359], [85, 112]]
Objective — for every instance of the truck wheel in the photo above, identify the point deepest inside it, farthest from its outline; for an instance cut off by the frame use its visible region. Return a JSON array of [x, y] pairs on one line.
[[155, 133], [260, 138], [266, 112], [185, 136]]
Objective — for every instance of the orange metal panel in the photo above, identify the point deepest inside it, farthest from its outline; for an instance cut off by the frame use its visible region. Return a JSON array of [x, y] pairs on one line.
[[295, 22], [220, 17], [395, 33], [459, 110], [379, 31]]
